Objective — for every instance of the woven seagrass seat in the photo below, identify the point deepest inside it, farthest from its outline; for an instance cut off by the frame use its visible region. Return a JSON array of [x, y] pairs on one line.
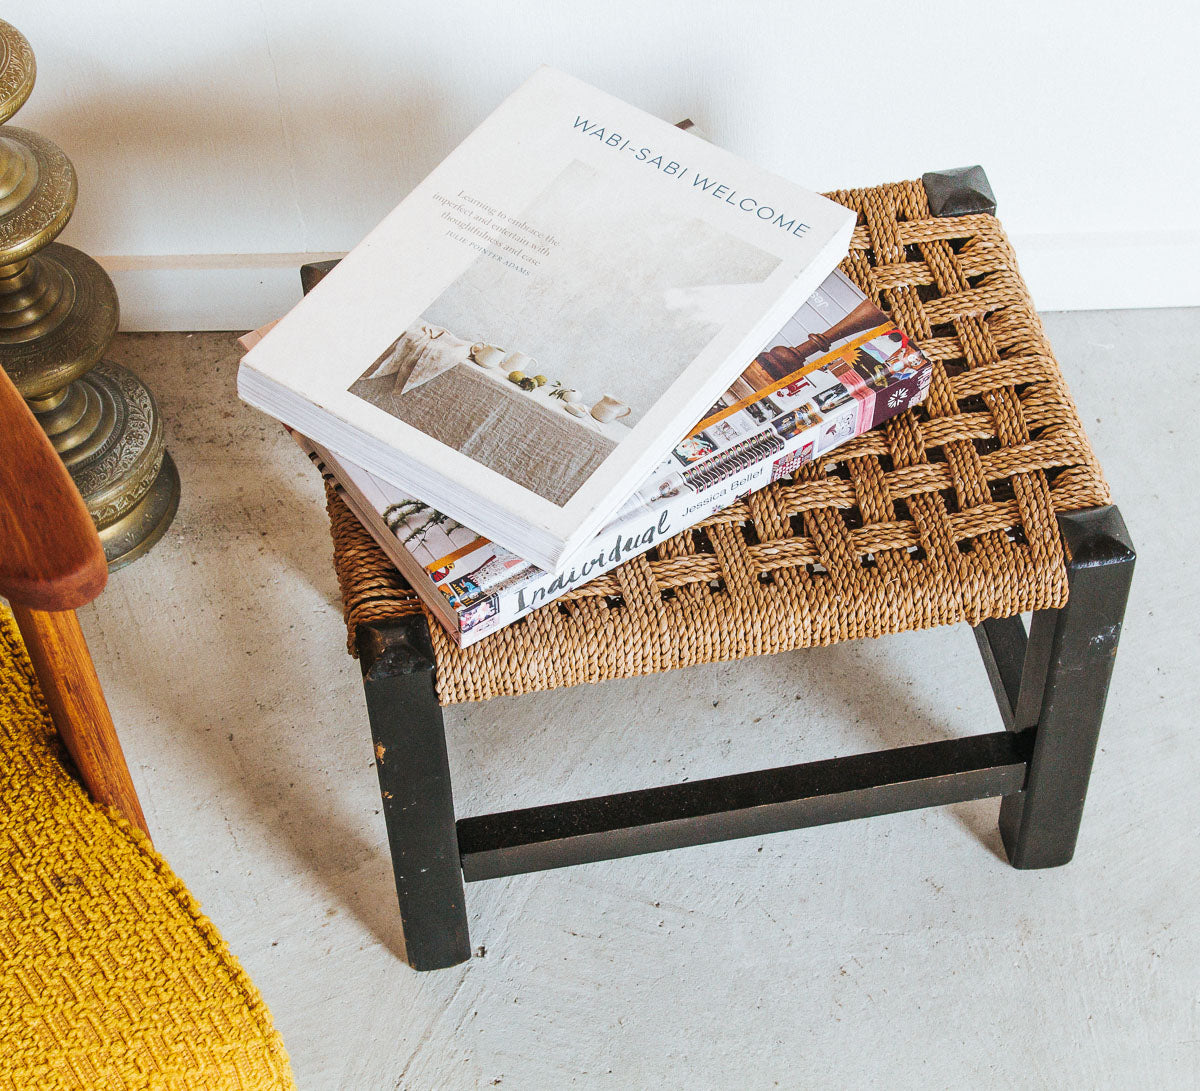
[[950, 512], [944, 514]]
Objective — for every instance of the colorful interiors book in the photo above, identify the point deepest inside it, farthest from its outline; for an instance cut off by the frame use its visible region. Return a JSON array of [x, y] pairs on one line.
[[536, 325], [838, 367]]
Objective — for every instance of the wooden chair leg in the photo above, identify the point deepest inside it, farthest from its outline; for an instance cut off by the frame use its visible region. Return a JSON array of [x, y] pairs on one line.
[[72, 690], [414, 779], [1063, 687]]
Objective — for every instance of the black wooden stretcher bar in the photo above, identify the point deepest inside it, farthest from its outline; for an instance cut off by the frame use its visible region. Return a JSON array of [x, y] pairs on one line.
[[1050, 687]]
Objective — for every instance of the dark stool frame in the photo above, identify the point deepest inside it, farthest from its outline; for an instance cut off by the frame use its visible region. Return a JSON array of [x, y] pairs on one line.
[[1050, 685]]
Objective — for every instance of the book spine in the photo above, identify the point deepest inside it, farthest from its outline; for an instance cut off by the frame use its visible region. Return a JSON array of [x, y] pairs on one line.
[[640, 531]]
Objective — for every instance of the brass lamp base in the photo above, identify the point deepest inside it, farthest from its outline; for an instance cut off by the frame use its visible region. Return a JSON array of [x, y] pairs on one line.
[[139, 528], [107, 429], [58, 313]]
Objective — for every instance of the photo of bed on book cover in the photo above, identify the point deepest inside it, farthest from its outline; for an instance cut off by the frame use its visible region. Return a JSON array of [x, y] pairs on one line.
[[539, 376], [837, 368]]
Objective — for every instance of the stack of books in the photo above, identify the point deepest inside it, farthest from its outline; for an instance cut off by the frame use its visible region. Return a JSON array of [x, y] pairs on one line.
[[585, 331]]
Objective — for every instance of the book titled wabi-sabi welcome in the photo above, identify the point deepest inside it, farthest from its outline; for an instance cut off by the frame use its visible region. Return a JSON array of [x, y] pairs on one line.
[[526, 336]]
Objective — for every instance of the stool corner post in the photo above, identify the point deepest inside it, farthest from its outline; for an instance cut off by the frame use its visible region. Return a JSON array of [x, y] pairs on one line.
[[409, 739], [1040, 825]]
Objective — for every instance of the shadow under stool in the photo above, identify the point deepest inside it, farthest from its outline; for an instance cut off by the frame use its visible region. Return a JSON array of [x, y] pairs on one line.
[[984, 503]]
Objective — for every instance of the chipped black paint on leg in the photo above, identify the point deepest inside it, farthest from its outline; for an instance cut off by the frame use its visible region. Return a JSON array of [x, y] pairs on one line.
[[414, 782], [1064, 686]]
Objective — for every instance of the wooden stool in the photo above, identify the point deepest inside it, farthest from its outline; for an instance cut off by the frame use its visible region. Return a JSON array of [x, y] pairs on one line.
[[984, 503]]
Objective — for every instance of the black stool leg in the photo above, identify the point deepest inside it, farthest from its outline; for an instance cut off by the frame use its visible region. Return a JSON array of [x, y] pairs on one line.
[[1064, 684], [414, 778]]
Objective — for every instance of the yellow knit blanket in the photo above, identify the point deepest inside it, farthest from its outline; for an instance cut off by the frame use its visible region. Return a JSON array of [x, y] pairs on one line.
[[110, 976]]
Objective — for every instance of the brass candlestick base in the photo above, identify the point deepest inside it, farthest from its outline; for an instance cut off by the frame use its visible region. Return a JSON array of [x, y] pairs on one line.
[[58, 314], [108, 431]]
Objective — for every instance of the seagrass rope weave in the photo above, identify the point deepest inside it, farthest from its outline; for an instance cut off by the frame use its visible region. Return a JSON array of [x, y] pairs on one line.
[[944, 514]]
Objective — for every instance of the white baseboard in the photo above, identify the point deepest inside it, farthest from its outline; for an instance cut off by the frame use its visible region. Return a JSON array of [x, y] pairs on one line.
[[1110, 271], [1065, 272], [206, 291]]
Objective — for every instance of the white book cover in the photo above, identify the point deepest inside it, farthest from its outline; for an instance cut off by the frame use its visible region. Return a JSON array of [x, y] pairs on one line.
[[544, 317], [837, 368]]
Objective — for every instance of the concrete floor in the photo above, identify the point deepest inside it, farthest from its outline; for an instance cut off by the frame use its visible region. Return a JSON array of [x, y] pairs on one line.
[[899, 952]]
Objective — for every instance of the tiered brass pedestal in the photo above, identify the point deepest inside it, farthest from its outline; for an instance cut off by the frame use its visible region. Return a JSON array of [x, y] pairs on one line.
[[58, 314]]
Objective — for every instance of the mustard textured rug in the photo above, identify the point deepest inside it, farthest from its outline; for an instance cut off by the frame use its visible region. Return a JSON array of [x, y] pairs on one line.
[[110, 976]]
